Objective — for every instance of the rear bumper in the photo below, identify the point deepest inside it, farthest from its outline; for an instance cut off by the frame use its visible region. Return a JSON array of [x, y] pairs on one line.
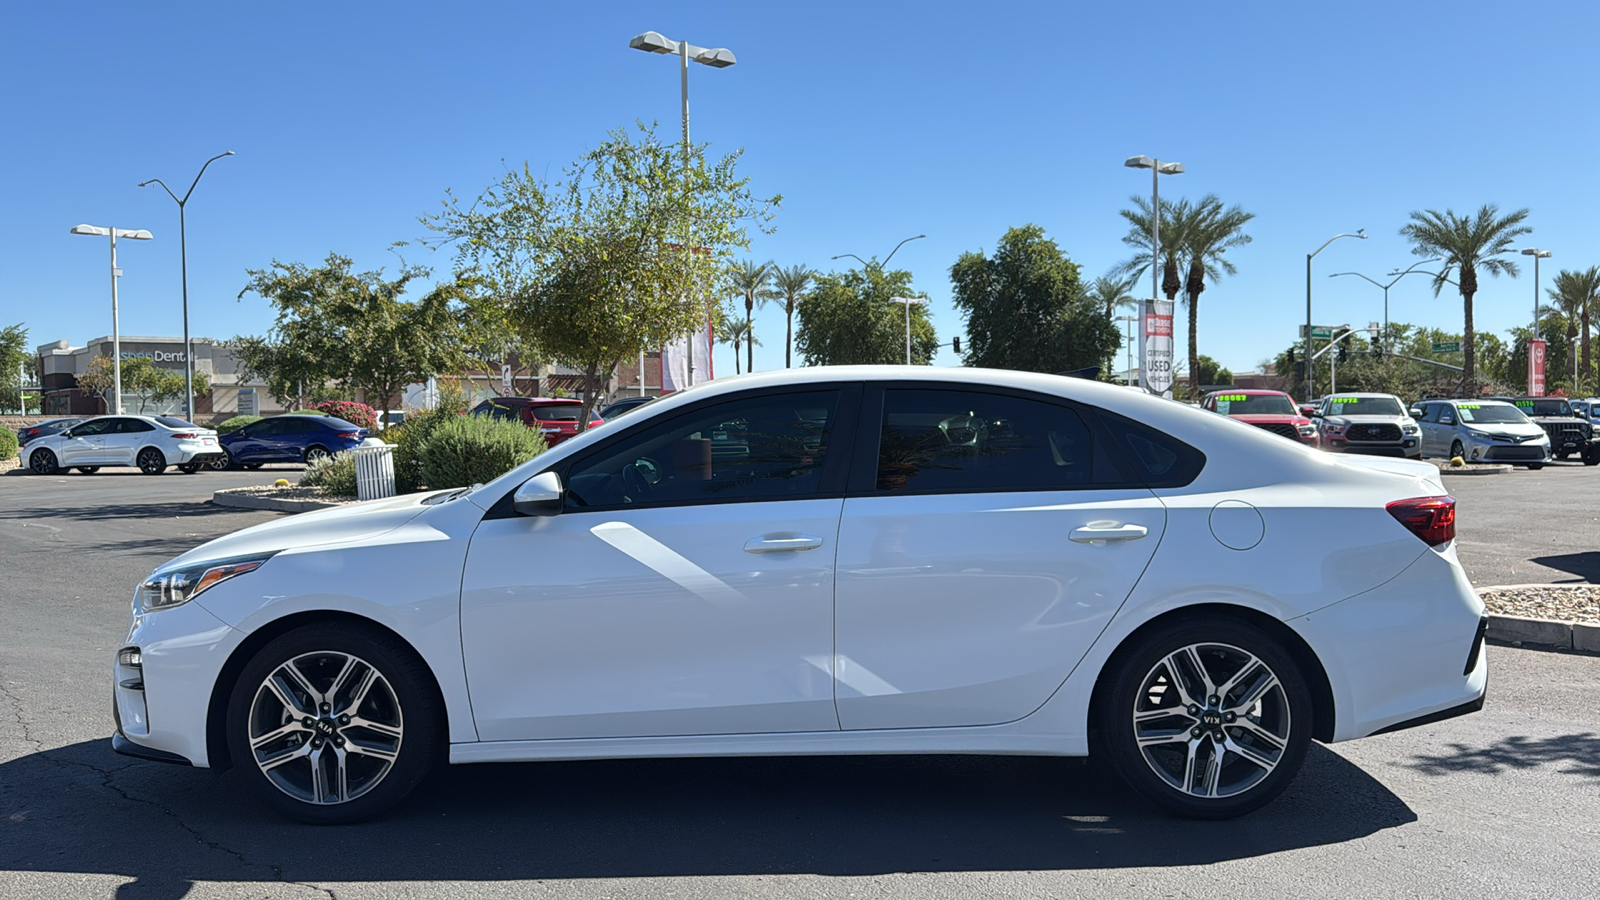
[[1395, 655]]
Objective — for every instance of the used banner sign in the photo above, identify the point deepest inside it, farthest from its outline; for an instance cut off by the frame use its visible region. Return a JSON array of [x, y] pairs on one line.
[[1155, 346]]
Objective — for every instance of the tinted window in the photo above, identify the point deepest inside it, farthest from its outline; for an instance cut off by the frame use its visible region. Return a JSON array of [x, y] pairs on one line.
[[761, 448], [496, 411], [1490, 414], [1157, 459], [134, 426], [564, 413], [1255, 405], [946, 440], [1364, 406], [93, 427]]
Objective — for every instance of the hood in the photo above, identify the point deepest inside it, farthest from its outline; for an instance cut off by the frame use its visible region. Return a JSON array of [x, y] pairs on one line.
[[1374, 420], [1277, 419], [355, 521], [1518, 429]]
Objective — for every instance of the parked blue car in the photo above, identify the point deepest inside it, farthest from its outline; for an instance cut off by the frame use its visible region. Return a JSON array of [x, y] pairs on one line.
[[291, 438]]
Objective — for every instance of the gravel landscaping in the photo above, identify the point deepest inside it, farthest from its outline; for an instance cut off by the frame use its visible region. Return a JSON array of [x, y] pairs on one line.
[[1574, 603], [294, 492]]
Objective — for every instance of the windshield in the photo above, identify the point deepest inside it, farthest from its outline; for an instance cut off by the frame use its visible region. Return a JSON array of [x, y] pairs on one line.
[[1544, 407], [1255, 405], [1482, 414], [1364, 406], [563, 413]]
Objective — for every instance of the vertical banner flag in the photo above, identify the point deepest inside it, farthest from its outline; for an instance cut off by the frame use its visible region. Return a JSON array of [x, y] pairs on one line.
[[686, 361], [1155, 346], [1536, 368]]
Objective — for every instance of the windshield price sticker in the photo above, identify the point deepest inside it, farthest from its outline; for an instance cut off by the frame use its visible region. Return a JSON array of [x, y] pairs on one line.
[[1233, 398], [1469, 406], [1346, 400], [1526, 404]]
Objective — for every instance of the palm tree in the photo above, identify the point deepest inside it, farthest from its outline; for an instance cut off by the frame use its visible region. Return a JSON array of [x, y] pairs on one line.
[[1466, 243], [735, 332], [1175, 217], [1210, 231], [1576, 294], [1114, 293], [791, 284], [753, 281]]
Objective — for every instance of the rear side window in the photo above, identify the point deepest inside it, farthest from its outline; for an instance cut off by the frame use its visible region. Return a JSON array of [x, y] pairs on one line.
[[1156, 458], [563, 413], [952, 440]]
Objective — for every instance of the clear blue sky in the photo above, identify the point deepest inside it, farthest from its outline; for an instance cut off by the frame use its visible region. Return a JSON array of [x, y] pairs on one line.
[[876, 121]]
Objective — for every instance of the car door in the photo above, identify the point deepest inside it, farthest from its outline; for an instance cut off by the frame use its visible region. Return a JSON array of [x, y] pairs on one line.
[[987, 540], [85, 446], [250, 444], [123, 441], [686, 586]]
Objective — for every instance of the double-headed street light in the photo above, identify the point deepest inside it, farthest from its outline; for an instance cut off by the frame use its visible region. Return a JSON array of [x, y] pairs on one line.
[[1310, 373], [1157, 169], [183, 256], [1537, 255], [116, 327], [907, 301], [1397, 276]]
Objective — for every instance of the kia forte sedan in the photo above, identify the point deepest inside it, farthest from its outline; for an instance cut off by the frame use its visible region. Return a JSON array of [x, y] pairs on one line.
[[827, 561]]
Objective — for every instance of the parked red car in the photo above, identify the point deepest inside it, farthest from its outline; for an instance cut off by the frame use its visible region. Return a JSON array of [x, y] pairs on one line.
[[1273, 410], [556, 417]]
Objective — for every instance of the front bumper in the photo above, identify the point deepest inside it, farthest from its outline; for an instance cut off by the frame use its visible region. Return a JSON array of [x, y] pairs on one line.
[[183, 651], [1410, 447]]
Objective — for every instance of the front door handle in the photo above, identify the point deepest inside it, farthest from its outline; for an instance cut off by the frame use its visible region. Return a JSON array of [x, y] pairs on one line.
[[778, 543], [1107, 532]]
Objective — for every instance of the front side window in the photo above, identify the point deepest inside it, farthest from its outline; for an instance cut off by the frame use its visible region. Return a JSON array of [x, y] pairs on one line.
[[951, 440], [759, 448]]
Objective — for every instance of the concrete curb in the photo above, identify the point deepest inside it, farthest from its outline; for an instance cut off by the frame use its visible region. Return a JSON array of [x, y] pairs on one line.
[[1475, 470], [1542, 634], [244, 501]]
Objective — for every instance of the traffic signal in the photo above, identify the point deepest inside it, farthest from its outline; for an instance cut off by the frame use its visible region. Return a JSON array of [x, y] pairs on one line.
[[1377, 348], [1344, 353], [1299, 372], [1291, 356], [955, 344]]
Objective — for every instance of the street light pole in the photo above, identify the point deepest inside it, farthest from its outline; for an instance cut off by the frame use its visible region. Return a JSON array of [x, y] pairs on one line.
[[116, 326], [1310, 369], [880, 267], [717, 58], [1398, 275], [908, 302], [1537, 255], [1130, 320], [1157, 169], [183, 256]]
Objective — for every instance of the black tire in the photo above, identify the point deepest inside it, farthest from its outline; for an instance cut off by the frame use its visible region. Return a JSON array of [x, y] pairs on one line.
[[189, 468], [43, 462], [1591, 456], [316, 452], [1534, 467], [1136, 686], [411, 700], [222, 463], [88, 470], [1562, 455], [1456, 449], [252, 466], [152, 461]]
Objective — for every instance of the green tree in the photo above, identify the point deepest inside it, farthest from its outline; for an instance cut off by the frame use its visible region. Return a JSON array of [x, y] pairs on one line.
[[1575, 294], [1025, 308], [13, 358], [1113, 293], [354, 328], [594, 266], [848, 319], [141, 378], [1210, 231], [1209, 371], [1467, 243], [736, 332], [753, 282], [1175, 218], [790, 285]]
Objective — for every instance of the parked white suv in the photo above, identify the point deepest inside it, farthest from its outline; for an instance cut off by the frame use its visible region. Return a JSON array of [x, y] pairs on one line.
[[1368, 423], [150, 442]]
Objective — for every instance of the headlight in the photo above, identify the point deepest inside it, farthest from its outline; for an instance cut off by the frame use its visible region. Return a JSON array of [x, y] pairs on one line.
[[1480, 435], [1308, 430], [178, 586], [1410, 429], [1331, 428]]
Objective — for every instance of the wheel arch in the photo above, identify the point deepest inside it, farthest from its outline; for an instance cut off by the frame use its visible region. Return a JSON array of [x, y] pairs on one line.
[[217, 754], [1322, 704], [156, 447]]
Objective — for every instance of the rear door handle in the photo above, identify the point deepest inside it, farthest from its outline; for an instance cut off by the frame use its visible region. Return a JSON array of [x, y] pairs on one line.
[[777, 543], [1107, 532]]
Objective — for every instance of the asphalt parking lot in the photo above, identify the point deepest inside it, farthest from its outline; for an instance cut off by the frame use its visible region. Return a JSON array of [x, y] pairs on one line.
[[1504, 803]]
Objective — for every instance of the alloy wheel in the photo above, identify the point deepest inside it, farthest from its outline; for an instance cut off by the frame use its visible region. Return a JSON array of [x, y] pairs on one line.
[[313, 454], [42, 462], [1211, 720], [152, 461], [222, 462], [325, 727]]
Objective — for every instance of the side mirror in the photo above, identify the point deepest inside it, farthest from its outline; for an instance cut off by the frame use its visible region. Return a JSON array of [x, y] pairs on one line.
[[1416, 412], [540, 495]]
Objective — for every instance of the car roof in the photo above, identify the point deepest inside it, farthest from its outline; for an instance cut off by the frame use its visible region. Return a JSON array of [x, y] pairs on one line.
[[1361, 394], [534, 401], [1254, 392], [1468, 400]]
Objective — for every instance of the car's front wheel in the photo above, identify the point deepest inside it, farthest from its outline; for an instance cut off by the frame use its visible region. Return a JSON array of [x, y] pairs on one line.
[[316, 454], [222, 463], [1457, 451], [334, 723], [43, 462], [152, 461], [1208, 718], [88, 470]]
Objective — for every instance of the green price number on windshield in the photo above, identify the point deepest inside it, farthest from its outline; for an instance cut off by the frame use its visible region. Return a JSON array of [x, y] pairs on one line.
[[1233, 398], [1469, 406]]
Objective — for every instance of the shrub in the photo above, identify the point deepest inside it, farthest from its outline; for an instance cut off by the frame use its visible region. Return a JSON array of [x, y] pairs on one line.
[[476, 449], [235, 423], [408, 438], [355, 413], [8, 444], [336, 474]]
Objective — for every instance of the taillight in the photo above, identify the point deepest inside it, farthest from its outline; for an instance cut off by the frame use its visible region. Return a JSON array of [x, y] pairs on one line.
[[349, 435], [1431, 518], [185, 435], [32, 432]]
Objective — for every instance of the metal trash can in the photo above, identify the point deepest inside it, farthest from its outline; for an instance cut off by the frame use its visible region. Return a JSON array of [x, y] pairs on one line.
[[374, 471]]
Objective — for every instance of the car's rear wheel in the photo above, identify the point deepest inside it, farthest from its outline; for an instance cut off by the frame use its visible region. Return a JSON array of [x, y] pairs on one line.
[[189, 468], [152, 461], [43, 462], [252, 466], [315, 453], [1209, 718], [334, 723], [88, 470]]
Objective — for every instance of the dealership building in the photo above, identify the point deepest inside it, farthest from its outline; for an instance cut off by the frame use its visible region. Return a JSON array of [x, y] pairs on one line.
[[60, 364]]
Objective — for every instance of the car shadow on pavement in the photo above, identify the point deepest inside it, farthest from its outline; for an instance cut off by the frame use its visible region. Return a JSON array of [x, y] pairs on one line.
[[160, 509], [862, 815], [1580, 753], [1585, 565]]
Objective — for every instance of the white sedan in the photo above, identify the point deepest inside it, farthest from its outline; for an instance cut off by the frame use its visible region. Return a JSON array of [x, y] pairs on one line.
[[150, 442], [828, 561]]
